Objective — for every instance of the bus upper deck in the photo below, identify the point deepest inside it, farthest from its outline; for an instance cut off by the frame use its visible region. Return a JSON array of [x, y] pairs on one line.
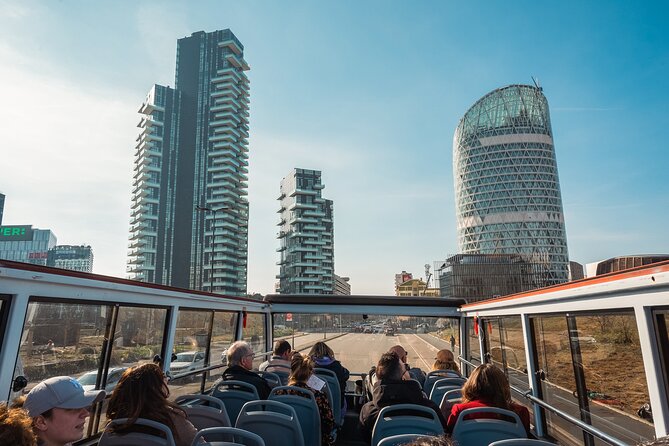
[[585, 354]]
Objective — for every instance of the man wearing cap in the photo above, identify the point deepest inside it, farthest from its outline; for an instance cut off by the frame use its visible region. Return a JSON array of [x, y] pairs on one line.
[[59, 407]]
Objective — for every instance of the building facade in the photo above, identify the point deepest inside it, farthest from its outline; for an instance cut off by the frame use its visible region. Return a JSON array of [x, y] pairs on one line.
[[402, 277], [508, 198], [72, 257], [306, 235], [576, 271], [622, 263], [2, 207], [22, 243], [342, 285], [415, 287], [189, 224]]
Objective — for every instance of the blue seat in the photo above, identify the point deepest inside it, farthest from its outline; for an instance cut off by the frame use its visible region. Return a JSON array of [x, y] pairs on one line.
[[442, 386], [204, 411], [276, 423], [272, 378], [449, 399], [330, 378], [435, 376], [483, 431], [405, 419], [397, 440], [109, 438], [521, 442], [234, 395], [239, 437], [306, 409]]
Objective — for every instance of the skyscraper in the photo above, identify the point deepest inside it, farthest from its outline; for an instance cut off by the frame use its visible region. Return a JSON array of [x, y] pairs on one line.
[[72, 257], [306, 235], [192, 152], [507, 189], [2, 206], [23, 243]]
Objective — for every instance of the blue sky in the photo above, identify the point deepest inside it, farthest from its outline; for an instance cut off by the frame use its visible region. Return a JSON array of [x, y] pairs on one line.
[[369, 93]]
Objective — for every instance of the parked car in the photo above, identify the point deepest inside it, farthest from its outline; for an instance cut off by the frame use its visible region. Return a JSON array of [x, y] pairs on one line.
[[187, 361], [390, 331], [87, 380]]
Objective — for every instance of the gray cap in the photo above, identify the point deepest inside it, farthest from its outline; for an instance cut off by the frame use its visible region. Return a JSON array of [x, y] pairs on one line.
[[61, 391]]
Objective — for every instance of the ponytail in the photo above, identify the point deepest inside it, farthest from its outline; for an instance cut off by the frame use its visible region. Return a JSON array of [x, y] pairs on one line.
[[301, 368]]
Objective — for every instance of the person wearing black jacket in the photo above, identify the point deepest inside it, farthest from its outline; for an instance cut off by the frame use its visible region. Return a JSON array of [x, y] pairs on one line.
[[240, 361], [391, 390]]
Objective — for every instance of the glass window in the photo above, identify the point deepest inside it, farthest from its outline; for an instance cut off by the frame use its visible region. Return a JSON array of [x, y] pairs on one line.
[[223, 334], [191, 341], [254, 333], [473, 349], [662, 334]]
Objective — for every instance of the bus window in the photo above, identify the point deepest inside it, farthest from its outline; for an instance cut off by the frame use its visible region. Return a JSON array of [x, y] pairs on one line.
[[506, 348], [254, 334], [223, 334], [191, 341], [662, 333], [615, 379], [473, 353]]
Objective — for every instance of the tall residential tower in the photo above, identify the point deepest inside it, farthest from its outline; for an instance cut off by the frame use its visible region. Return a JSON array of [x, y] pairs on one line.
[[306, 235], [189, 225], [507, 189]]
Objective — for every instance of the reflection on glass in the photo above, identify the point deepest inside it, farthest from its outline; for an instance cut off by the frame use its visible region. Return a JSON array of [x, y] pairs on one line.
[[190, 341], [138, 336], [254, 334], [474, 351], [223, 334]]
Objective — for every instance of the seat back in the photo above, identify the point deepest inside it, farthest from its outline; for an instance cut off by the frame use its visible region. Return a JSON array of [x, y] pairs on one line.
[[397, 440], [109, 438], [449, 399], [436, 375], [306, 409], [234, 395], [444, 385], [283, 375], [238, 436], [483, 431], [402, 419], [271, 377], [522, 442], [214, 414], [330, 378], [275, 422]]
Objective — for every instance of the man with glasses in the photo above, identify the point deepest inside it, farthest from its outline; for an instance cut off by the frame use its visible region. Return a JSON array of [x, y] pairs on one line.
[[240, 363]]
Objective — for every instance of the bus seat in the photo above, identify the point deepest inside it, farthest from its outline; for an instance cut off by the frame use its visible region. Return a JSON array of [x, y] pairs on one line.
[[234, 395], [398, 440], [109, 438], [272, 378], [437, 375], [439, 389], [449, 399], [335, 392], [275, 422], [521, 442], [405, 419], [204, 416], [239, 437], [306, 410], [483, 431]]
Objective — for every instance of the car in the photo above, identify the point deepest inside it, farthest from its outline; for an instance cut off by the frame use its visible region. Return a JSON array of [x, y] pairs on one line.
[[87, 380], [390, 331], [187, 361], [368, 330], [584, 340]]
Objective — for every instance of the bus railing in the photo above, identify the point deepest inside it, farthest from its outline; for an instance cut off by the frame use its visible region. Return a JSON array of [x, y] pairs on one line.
[[575, 421]]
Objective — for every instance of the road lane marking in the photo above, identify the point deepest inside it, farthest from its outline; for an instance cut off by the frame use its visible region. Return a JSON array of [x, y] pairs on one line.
[[427, 365]]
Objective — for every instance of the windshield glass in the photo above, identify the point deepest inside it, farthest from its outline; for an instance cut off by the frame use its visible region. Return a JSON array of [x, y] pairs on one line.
[[88, 379], [184, 357]]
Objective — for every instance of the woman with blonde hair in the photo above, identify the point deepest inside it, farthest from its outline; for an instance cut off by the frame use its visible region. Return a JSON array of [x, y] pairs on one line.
[[142, 392], [16, 427], [301, 369], [445, 361], [487, 386]]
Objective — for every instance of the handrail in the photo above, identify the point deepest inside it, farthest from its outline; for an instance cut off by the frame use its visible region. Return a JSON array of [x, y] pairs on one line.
[[575, 421]]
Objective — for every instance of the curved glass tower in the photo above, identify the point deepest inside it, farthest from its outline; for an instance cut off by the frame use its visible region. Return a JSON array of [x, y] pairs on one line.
[[506, 181]]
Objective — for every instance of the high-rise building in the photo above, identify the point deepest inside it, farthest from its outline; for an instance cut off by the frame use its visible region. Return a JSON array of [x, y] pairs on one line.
[[306, 236], [341, 285], [22, 243], [192, 153], [507, 189], [576, 271], [2, 206], [72, 257], [616, 264]]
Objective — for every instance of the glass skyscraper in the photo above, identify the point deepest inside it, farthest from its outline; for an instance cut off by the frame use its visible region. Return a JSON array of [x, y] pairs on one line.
[[306, 235], [192, 151], [507, 189]]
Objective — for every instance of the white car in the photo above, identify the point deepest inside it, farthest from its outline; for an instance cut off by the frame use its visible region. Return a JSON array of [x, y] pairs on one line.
[[186, 362], [87, 380]]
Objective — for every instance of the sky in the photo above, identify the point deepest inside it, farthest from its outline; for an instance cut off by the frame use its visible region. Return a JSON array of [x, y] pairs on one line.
[[368, 92]]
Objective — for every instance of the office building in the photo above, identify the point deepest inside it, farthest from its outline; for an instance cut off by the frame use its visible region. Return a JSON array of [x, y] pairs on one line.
[[342, 285], [72, 257], [22, 243], [192, 153], [576, 271], [621, 263], [507, 188], [306, 235], [2, 207]]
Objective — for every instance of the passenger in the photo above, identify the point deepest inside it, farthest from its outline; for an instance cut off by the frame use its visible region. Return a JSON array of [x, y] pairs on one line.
[[16, 427], [411, 372], [59, 407], [445, 361], [301, 371], [240, 360], [391, 390], [441, 440], [280, 360], [324, 358], [487, 387], [142, 392]]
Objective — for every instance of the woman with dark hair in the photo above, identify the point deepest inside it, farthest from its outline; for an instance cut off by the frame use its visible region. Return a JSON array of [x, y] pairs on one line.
[[487, 387], [324, 358], [142, 393], [301, 369]]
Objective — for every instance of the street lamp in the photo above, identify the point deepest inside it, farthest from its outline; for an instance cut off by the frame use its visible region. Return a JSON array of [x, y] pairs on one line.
[[213, 243]]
